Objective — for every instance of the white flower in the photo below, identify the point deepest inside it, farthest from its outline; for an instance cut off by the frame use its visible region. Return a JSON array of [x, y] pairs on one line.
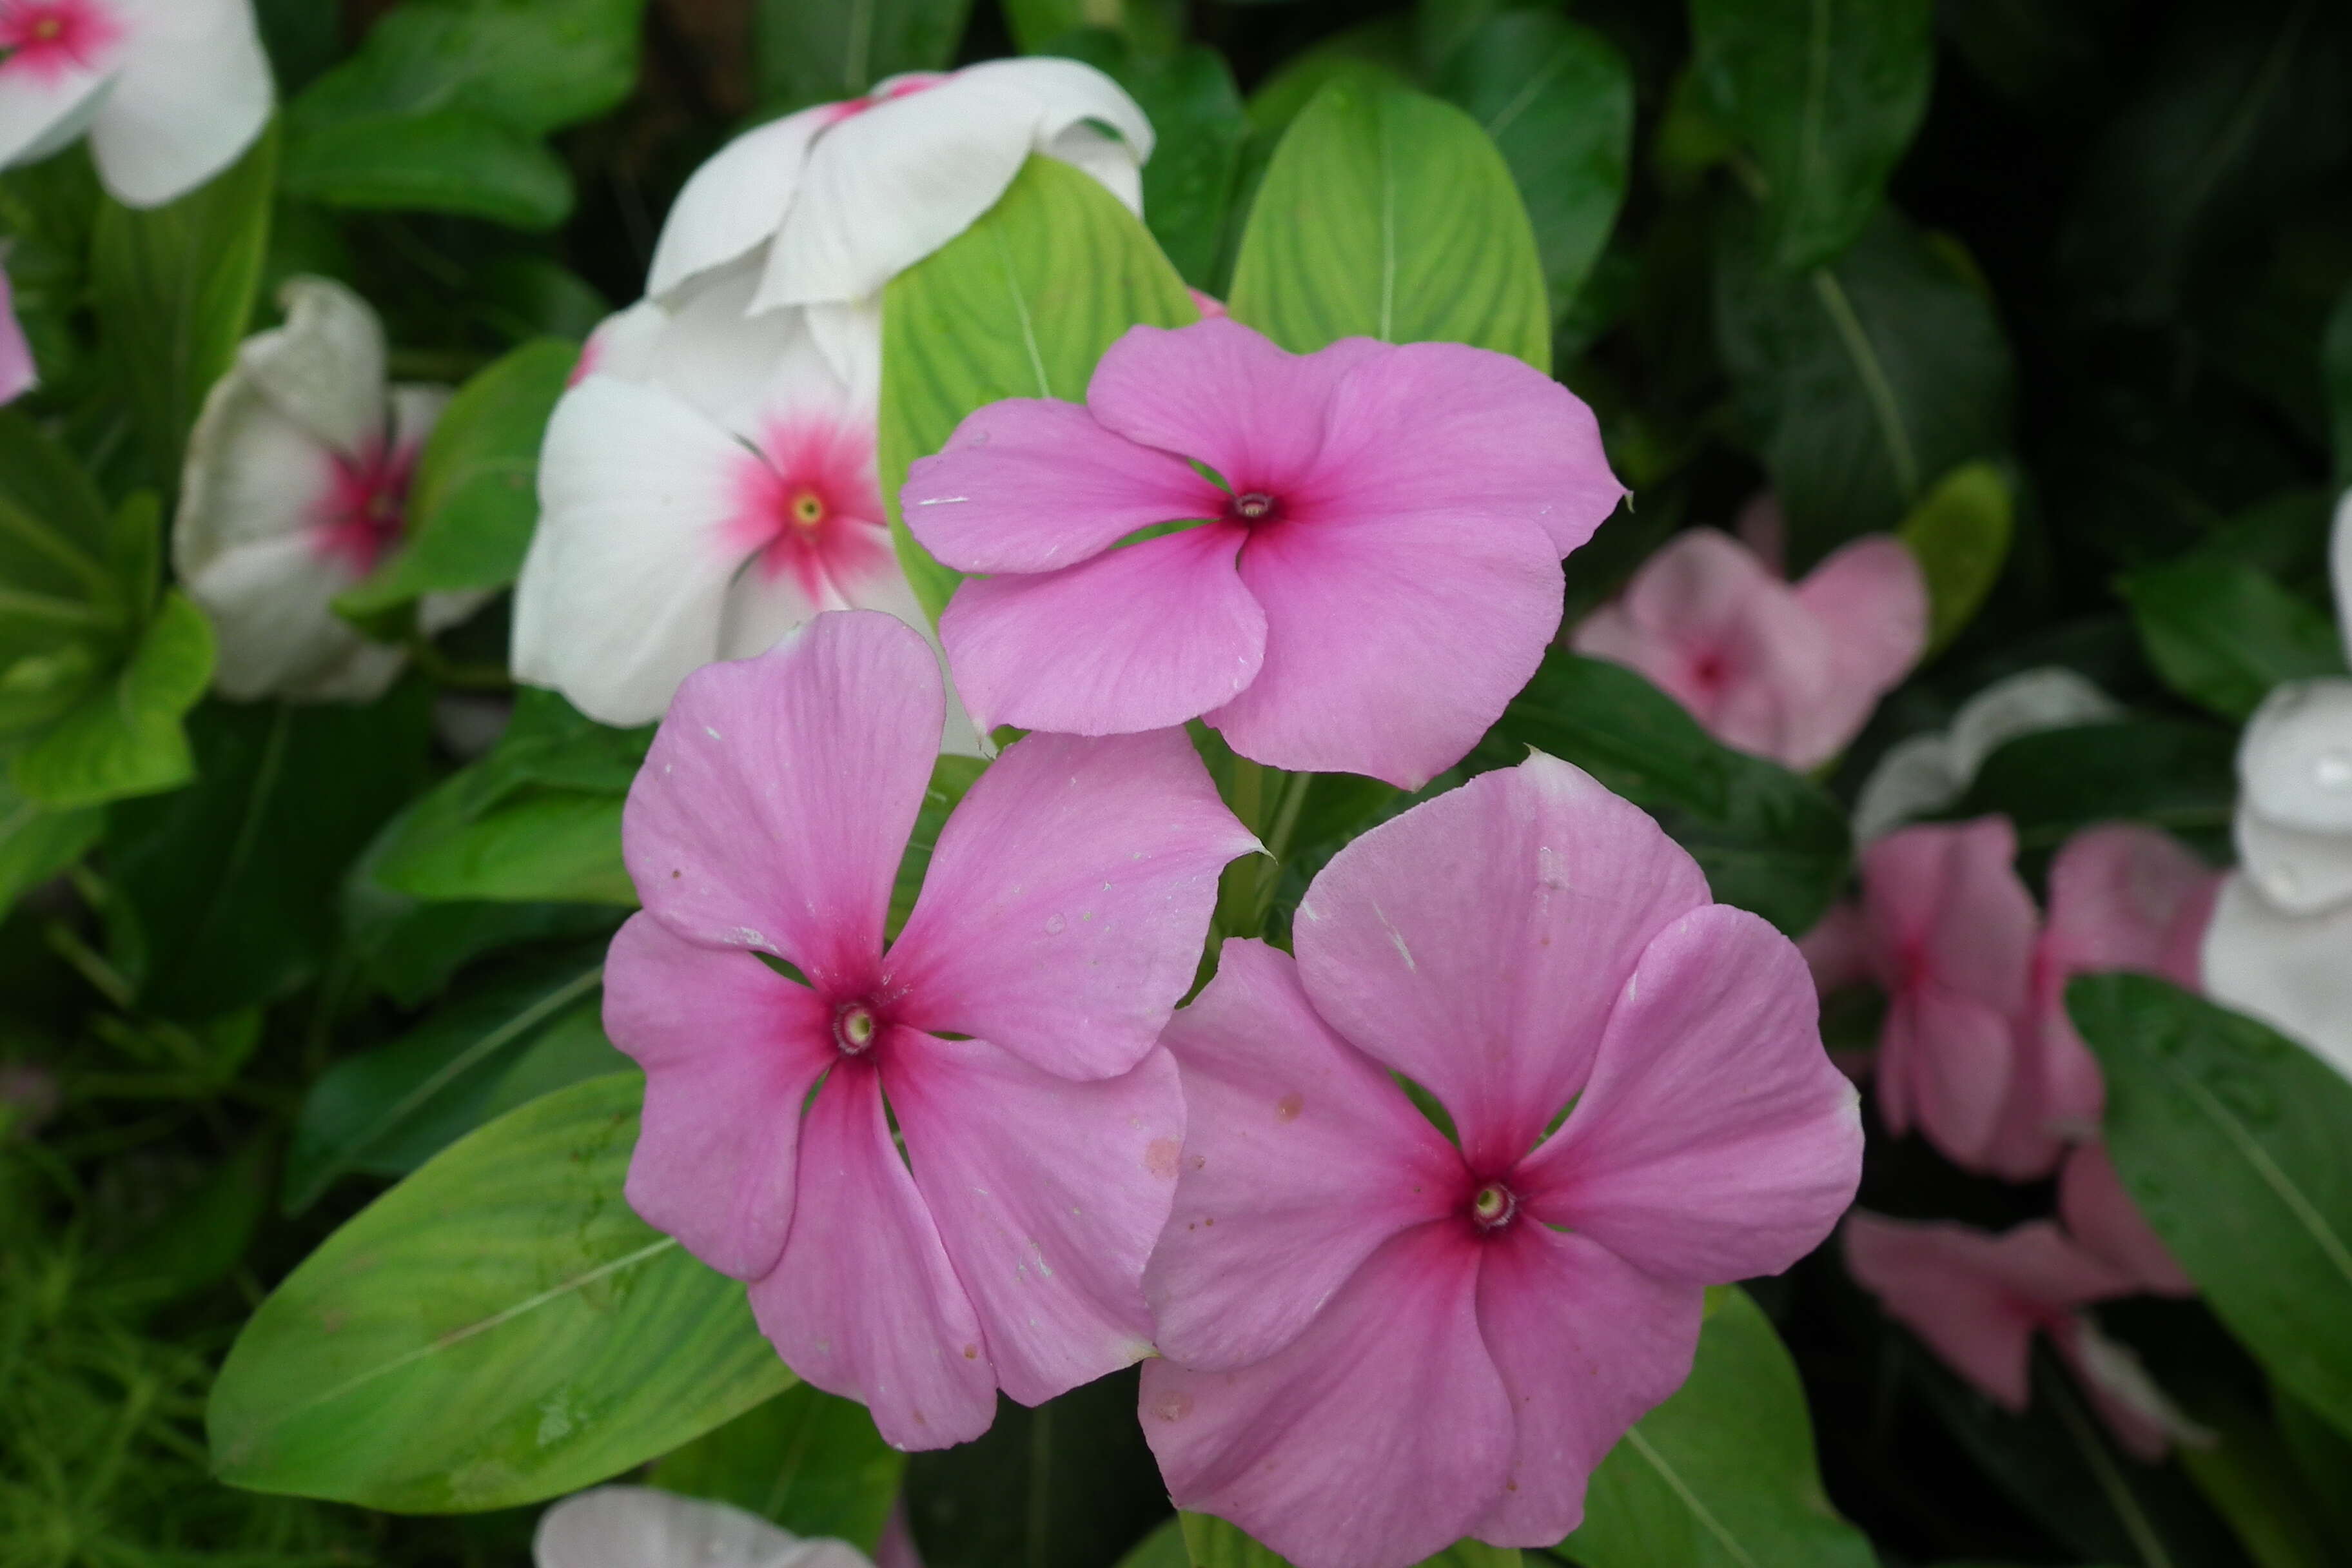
[[1924, 773], [2280, 945], [170, 91], [18, 374], [638, 1527], [295, 486]]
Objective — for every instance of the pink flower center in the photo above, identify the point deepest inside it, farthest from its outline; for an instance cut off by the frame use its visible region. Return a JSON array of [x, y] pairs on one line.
[[47, 39], [1254, 507], [853, 1027], [806, 504], [1493, 1206], [1710, 669], [365, 506]]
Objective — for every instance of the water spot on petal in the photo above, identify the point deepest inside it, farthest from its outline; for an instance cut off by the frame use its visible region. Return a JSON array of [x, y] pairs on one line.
[[1054, 924], [1288, 1106]]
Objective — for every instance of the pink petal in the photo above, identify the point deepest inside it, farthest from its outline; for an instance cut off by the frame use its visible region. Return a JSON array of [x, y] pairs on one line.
[[1032, 485], [777, 799], [2100, 1214], [2117, 896], [1946, 904], [1048, 1196], [1301, 1159], [1478, 942], [1393, 642], [1137, 639], [730, 1049], [1063, 914], [1871, 599], [1374, 1439], [1949, 1062], [1837, 949], [1714, 1140], [1587, 1345], [864, 1303]]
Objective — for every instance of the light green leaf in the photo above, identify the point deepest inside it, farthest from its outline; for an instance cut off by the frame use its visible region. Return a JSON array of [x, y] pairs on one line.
[[497, 1330], [175, 287], [1826, 94], [37, 843], [1722, 1475], [1558, 99], [1960, 534], [66, 616], [2236, 1144], [1022, 304], [125, 739], [817, 51], [1387, 213], [474, 499], [806, 1460], [2223, 633]]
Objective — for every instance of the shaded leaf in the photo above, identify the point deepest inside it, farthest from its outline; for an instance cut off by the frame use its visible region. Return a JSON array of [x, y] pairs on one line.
[[125, 739], [37, 843], [2163, 772], [806, 1460], [2223, 633], [1960, 534], [817, 51]]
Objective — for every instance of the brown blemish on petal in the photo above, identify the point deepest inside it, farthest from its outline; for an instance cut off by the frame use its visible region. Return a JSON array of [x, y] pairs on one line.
[[972, 1353], [1288, 1106], [1172, 1406], [1160, 1157], [1200, 1161]]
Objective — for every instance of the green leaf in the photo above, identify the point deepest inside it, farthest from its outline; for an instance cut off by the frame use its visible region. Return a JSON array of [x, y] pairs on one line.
[[66, 616], [815, 51], [1861, 382], [387, 1111], [1960, 533], [37, 843], [126, 739], [497, 1329], [227, 889], [2236, 1144], [1387, 214], [1722, 1475], [2322, 1455], [2335, 369], [474, 499], [806, 1460], [2247, 1473], [1019, 305], [1155, 27], [448, 161], [1769, 840], [1196, 117], [2222, 634], [1382, 50], [200, 1239], [951, 777], [1213, 1543], [1826, 94], [1557, 99], [2163, 772], [175, 287]]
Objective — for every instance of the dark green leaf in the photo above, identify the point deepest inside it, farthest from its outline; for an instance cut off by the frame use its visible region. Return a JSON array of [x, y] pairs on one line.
[[37, 843], [1155, 27], [497, 1330], [2222, 634], [175, 287], [1960, 534], [2335, 368], [1722, 1475], [66, 616], [1767, 840], [2323, 1455], [2161, 771], [817, 51], [807, 1459], [228, 889], [1382, 50], [1212, 1543], [1557, 99], [1826, 94], [474, 499], [1387, 214], [2236, 1144], [125, 739], [449, 160], [200, 1239], [2246, 1472], [1861, 382], [1019, 305]]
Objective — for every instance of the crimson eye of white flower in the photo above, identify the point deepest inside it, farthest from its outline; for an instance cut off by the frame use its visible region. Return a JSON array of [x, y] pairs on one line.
[[852, 1028], [1494, 1206]]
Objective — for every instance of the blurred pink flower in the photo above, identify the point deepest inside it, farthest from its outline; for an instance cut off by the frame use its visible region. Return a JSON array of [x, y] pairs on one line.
[[1786, 672], [1375, 1341], [1373, 575], [2100, 1214], [1012, 1026], [18, 374]]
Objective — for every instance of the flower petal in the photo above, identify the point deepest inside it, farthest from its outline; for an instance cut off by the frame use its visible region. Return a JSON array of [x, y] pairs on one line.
[[1071, 94], [270, 601], [1950, 1063], [2286, 969], [1714, 1140], [18, 374], [731, 1050], [1137, 639], [1063, 912], [1032, 485], [737, 368], [1390, 1393], [2294, 807], [1048, 1196], [324, 369], [1871, 598], [864, 1303], [640, 1527], [1478, 942], [1947, 894], [776, 801], [45, 104], [1301, 1159], [735, 201], [194, 93], [2100, 1214], [1587, 1344], [252, 473]]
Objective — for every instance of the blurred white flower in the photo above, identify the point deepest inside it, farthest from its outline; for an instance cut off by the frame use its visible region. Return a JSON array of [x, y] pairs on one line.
[[1922, 776], [639, 1527], [170, 91], [18, 374], [296, 487]]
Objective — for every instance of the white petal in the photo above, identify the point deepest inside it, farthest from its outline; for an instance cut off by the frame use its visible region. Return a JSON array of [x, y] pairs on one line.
[[1917, 777], [736, 200], [2052, 698], [2339, 551], [270, 603], [639, 1527], [416, 407], [850, 337], [437, 613], [1071, 92], [621, 593], [194, 92], [2301, 872], [39, 114], [252, 474], [623, 344], [727, 363], [2294, 761], [324, 369], [2293, 972]]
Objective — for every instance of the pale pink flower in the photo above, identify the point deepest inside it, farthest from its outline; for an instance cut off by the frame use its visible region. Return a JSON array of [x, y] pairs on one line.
[[2101, 1215], [1376, 1341], [1012, 1026], [170, 91], [1978, 1300], [18, 374], [1786, 672], [640, 1527], [1377, 574]]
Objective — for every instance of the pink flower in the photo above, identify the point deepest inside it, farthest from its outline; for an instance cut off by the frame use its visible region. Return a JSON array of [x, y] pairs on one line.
[[1789, 673], [18, 374], [1378, 1342], [1011, 1028], [2102, 1216], [1377, 574], [1978, 1300]]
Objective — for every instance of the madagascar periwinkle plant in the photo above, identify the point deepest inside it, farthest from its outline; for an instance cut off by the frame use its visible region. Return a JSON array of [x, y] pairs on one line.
[[1108, 783]]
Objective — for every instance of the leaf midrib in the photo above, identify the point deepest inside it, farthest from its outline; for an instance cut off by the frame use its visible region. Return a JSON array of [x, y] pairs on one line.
[[1681, 1488], [2306, 1214]]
